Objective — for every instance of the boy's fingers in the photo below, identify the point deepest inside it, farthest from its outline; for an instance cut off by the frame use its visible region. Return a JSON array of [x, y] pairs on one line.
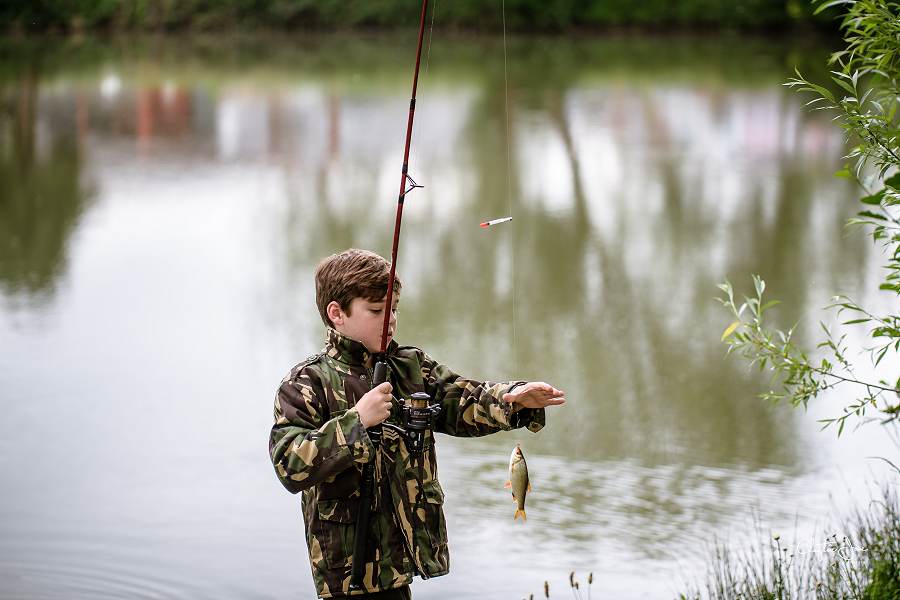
[[551, 402], [550, 394], [546, 387]]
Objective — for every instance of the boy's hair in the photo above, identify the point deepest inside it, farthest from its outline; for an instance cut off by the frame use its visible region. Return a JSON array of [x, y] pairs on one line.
[[351, 274]]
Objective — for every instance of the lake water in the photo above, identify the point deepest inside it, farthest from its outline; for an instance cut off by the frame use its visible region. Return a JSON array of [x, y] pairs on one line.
[[164, 202]]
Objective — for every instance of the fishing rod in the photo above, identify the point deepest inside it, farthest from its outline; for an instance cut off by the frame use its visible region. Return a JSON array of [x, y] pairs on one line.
[[405, 180], [419, 414]]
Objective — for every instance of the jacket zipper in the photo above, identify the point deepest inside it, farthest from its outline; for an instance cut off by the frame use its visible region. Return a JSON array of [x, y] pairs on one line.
[[370, 374]]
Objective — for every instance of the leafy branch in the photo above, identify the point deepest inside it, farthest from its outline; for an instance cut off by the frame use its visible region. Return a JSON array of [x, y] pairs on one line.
[[800, 377], [863, 94]]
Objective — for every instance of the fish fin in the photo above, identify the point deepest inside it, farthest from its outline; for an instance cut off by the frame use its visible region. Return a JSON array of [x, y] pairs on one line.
[[529, 488], [519, 512], [507, 484]]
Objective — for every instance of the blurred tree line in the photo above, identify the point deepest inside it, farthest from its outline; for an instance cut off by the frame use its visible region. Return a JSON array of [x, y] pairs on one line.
[[522, 15]]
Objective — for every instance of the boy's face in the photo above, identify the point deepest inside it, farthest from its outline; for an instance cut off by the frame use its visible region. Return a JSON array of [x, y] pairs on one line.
[[364, 320]]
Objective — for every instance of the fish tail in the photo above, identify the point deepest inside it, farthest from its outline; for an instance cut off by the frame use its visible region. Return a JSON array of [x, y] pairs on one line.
[[519, 512]]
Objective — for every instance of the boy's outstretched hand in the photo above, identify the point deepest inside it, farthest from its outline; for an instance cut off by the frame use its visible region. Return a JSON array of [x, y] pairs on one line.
[[535, 394]]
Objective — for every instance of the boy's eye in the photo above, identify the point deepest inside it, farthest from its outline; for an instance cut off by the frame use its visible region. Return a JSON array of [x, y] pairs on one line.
[[379, 308]]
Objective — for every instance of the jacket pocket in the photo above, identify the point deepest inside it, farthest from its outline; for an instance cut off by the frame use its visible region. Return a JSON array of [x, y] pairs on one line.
[[336, 531], [434, 494], [432, 509]]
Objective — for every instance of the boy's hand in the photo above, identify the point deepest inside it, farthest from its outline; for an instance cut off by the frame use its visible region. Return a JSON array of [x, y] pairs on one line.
[[535, 394], [375, 405]]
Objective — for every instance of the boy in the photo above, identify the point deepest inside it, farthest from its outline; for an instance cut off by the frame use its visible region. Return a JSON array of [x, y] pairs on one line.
[[319, 442]]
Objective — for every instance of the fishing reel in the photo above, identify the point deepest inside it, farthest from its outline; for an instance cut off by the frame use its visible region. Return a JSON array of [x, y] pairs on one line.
[[417, 416]]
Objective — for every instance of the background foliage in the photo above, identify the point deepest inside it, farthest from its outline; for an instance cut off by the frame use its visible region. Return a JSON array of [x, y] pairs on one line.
[[543, 15]]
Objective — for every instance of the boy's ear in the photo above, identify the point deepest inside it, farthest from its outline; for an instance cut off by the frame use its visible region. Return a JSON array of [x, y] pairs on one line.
[[335, 313]]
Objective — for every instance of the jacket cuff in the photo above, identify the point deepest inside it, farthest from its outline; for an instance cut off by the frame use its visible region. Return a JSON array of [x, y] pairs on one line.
[[352, 435]]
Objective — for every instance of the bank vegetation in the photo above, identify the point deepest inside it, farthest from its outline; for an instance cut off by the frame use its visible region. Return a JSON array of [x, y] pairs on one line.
[[520, 15]]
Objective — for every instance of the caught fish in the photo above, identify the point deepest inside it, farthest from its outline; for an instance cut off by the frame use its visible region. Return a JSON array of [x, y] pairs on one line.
[[518, 482]]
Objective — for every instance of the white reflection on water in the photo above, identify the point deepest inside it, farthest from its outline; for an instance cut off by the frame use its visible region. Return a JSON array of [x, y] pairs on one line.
[[242, 127], [141, 468]]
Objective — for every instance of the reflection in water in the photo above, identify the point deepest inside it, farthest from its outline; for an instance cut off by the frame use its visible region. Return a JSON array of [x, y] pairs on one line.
[[638, 173], [43, 194]]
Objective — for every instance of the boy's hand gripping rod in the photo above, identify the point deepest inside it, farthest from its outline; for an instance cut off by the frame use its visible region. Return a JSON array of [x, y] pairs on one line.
[[367, 487]]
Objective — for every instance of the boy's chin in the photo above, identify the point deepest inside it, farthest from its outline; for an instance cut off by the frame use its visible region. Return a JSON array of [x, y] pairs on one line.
[[377, 347], [373, 349]]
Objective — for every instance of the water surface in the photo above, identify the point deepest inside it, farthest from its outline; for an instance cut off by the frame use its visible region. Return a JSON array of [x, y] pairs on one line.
[[164, 203]]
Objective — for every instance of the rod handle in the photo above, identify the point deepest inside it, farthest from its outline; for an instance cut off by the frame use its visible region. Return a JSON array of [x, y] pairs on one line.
[[380, 375]]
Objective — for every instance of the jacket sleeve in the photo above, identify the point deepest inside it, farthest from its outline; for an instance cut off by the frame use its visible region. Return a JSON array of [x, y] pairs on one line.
[[305, 449], [474, 408]]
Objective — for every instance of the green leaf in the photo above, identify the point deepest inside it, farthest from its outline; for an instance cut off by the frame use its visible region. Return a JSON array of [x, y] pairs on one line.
[[844, 85], [769, 304], [881, 354], [828, 5], [871, 215], [759, 284], [854, 321], [873, 199], [893, 181]]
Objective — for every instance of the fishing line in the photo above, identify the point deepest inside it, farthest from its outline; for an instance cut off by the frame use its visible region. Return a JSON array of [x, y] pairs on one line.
[[512, 238], [430, 35]]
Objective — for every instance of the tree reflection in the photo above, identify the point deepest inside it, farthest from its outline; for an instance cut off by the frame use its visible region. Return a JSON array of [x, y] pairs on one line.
[[43, 194], [633, 193], [633, 340]]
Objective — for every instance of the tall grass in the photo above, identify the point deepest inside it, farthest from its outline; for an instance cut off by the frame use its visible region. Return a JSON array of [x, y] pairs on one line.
[[861, 564]]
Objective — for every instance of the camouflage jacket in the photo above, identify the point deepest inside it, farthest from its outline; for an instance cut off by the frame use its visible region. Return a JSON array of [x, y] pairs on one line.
[[319, 446]]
